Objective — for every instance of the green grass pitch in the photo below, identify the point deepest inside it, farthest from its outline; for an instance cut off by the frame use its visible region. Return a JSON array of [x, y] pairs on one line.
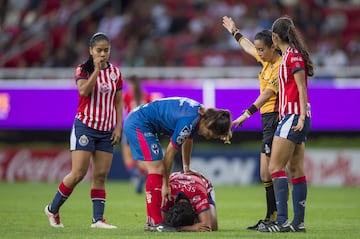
[[332, 212]]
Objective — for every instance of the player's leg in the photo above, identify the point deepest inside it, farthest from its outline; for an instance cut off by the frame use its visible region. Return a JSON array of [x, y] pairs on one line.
[[282, 151], [101, 167], [153, 189], [269, 188], [80, 164], [299, 187], [269, 123]]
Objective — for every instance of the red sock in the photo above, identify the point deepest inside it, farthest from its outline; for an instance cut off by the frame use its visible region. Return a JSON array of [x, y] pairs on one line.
[[153, 198], [64, 190]]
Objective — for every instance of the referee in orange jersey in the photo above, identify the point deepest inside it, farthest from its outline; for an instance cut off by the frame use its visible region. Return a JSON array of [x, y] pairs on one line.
[[264, 52]]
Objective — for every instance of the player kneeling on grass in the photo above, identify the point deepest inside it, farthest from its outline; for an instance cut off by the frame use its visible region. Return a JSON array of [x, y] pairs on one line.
[[192, 207]]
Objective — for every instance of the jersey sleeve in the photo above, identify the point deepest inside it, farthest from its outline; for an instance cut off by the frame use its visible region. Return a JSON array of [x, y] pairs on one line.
[[183, 130], [80, 73], [119, 83], [296, 62], [201, 202]]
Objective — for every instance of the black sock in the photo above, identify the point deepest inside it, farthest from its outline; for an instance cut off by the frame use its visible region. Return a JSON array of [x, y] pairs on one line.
[[270, 200]]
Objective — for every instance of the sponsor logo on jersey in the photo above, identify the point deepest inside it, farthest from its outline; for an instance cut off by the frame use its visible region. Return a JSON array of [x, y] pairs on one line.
[[184, 134], [83, 140], [148, 134], [155, 149]]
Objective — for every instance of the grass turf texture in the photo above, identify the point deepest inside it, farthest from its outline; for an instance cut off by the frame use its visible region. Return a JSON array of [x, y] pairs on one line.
[[332, 212]]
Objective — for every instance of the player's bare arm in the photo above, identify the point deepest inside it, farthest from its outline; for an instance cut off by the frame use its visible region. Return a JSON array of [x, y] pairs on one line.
[[186, 153], [168, 161], [116, 135], [245, 43], [300, 83]]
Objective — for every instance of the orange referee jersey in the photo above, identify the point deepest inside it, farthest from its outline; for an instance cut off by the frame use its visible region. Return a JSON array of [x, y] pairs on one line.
[[269, 79]]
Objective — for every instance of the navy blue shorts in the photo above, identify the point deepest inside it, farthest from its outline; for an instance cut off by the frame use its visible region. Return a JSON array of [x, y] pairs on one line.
[[284, 129], [85, 138]]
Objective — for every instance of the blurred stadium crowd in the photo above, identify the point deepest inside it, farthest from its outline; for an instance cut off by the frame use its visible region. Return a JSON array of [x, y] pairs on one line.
[[55, 33]]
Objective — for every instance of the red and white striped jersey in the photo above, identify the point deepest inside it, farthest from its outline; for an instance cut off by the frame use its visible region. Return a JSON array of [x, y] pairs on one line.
[[292, 62], [97, 110]]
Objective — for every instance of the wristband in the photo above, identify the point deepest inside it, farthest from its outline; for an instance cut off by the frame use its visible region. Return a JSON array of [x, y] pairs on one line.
[[246, 114], [236, 33], [252, 109]]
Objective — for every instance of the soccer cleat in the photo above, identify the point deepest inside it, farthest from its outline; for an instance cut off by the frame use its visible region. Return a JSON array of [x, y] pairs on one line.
[[274, 227], [54, 218], [159, 228], [260, 222], [102, 224], [297, 228]]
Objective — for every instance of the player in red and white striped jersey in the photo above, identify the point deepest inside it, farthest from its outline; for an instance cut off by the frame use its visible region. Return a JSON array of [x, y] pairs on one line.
[[97, 127], [288, 146]]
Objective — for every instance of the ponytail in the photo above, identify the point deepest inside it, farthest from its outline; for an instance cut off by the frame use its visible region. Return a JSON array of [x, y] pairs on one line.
[[297, 42], [88, 65], [285, 28]]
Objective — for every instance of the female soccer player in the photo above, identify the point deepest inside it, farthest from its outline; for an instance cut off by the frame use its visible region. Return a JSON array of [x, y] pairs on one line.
[[179, 118], [192, 206], [97, 127], [264, 51], [290, 136]]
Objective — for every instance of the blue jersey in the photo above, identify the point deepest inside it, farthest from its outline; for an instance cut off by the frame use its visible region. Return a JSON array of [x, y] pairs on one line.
[[176, 117]]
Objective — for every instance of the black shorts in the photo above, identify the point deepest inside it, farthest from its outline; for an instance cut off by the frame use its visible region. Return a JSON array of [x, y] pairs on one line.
[[269, 122]]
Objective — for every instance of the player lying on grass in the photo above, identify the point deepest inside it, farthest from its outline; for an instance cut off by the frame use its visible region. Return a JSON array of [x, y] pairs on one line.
[[192, 207]]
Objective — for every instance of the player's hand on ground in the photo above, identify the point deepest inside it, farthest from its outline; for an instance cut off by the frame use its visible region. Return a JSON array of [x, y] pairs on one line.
[[201, 227], [229, 24]]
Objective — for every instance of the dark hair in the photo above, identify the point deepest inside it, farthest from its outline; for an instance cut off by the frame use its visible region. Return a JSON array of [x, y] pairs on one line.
[[136, 82], [285, 28], [218, 121], [88, 65], [182, 212], [266, 37]]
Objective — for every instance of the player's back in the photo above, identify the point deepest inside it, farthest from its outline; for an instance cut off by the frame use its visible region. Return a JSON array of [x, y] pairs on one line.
[[164, 114]]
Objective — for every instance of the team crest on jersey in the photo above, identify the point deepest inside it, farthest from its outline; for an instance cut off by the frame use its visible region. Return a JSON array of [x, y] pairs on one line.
[[104, 87], [113, 76], [155, 149], [83, 140]]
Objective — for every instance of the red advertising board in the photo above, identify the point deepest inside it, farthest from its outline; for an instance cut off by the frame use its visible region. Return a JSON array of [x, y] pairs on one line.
[[30, 164]]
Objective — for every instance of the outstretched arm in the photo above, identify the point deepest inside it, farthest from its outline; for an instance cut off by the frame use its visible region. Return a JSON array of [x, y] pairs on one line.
[[245, 43], [259, 102]]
